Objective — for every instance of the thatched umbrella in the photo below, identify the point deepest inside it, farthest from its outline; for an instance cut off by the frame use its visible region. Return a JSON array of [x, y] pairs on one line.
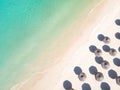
[[95, 50], [99, 76], [82, 76], [106, 40], [98, 52], [118, 80], [112, 52], [105, 64], [103, 38]]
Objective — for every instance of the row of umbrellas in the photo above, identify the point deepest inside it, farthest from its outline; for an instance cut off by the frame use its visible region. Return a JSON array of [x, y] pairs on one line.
[[105, 64]]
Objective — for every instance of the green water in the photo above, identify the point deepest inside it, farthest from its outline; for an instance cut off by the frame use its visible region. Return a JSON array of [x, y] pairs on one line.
[[28, 26]]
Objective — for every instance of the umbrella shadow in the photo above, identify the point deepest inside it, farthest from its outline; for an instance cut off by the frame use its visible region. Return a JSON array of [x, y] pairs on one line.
[[77, 70], [101, 37], [117, 22], [92, 48], [67, 85], [106, 48], [93, 70], [99, 60], [117, 35], [112, 74], [119, 49], [105, 86], [116, 61], [86, 86]]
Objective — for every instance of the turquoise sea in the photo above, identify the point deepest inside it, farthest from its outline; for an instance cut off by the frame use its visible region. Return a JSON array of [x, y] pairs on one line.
[[27, 27]]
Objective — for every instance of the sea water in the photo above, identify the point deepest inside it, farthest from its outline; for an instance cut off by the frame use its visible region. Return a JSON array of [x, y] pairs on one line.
[[27, 27]]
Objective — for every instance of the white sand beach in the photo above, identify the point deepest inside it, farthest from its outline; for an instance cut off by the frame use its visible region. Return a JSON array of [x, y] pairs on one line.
[[101, 20]]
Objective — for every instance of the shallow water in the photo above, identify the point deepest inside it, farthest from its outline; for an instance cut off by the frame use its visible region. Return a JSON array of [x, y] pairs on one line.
[[27, 27]]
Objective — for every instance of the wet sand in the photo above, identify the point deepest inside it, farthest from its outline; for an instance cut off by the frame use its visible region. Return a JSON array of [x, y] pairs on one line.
[[100, 20]]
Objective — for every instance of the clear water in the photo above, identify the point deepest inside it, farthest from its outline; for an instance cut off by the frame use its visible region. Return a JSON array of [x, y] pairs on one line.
[[26, 28]]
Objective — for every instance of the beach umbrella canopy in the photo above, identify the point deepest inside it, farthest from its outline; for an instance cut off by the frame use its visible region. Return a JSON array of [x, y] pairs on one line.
[[106, 40], [82, 76], [98, 52], [99, 76], [112, 52], [118, 80], [105, 64]]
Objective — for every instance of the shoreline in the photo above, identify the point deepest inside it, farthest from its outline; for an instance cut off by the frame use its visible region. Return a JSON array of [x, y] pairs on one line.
[[60, 62]]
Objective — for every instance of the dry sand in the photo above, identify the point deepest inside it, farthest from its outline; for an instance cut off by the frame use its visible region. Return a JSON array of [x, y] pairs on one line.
[[100, 20]]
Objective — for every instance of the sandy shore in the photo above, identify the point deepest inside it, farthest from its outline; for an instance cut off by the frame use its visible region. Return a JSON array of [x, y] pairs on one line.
[[100, 20]]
